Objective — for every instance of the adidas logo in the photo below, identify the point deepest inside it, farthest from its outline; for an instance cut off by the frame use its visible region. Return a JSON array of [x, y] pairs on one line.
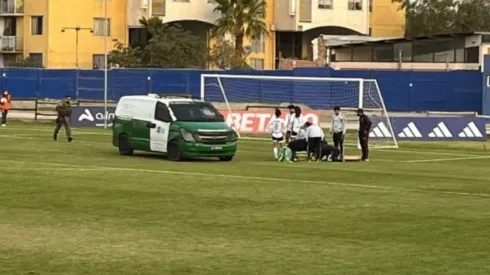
[[380, 131], [87, 115], [470, 131], [440, 131], [410, 131]]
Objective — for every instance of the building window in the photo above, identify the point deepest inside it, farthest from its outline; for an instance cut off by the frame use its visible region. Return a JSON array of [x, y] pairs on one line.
[[158, 7], [36, 25], [355, 5], [98, 61], [36, 59], [99, 24], [10, 26], [325, 4], [256, 63], [258, 44]]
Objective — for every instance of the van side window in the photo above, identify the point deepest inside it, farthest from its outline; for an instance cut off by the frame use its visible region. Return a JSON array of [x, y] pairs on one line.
[[162, 113]]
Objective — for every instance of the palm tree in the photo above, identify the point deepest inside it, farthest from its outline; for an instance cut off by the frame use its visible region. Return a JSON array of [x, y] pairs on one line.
[[240, 18], [153, 26]]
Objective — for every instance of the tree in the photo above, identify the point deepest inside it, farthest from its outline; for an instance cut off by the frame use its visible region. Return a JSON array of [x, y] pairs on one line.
[[27, 62], [174, 47], [125, 57], [169, 46], [426, 17], [240, 18], [224, 56]]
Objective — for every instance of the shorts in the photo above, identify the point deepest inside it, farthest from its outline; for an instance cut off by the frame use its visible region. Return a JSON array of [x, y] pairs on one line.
[[277, 138]]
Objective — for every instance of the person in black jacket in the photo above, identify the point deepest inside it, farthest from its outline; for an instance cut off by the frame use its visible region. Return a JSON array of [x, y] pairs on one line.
[[329, 152], [364, 127]]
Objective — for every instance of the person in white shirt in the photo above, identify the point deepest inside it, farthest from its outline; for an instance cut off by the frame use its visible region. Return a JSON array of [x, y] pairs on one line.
[[298, 123], [314, 137], [276, 127], [338, 130], [289, 123]]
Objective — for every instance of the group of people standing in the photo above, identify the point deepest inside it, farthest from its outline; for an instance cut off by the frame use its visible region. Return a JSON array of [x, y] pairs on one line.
[[301, 135]]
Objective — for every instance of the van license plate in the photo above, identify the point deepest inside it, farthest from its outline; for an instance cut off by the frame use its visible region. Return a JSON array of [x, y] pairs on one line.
[[216, 148]]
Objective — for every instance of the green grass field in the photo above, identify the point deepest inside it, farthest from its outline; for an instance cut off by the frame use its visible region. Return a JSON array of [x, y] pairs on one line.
[[80, 208]]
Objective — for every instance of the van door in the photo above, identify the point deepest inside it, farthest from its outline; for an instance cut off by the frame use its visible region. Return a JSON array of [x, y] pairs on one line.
[[160, 128]]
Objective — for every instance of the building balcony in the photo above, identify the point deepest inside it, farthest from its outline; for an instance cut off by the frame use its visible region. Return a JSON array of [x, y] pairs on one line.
[[11, 44], [11, 7], [304, 15]]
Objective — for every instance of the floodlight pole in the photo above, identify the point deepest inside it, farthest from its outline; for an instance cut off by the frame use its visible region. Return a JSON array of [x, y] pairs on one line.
[[106, 34]]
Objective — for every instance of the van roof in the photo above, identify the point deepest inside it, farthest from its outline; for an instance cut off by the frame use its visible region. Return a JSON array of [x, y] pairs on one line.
[[160, 99]]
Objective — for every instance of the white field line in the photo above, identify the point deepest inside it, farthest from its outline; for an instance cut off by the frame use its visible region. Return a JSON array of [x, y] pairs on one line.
[[75, 130], [425, 152], [228, 176], [448, 159], [108, 144], [56, 169], [32, 136]]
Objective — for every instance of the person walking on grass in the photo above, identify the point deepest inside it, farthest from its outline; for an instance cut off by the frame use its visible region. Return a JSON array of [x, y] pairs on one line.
[[63, 109], [5, 100]]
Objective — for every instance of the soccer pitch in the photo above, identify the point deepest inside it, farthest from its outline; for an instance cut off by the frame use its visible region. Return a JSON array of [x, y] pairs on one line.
[[80, 208]]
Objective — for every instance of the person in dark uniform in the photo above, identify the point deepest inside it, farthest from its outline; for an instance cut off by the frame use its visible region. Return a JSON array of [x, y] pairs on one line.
[[329, 152], [298, 145], [364, 127], [63, 120]]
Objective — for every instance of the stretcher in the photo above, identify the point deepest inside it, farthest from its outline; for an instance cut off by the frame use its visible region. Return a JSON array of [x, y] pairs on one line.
[[352, 158]]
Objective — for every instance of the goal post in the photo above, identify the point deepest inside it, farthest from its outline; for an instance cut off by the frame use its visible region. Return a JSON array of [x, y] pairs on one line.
[[315, 95]]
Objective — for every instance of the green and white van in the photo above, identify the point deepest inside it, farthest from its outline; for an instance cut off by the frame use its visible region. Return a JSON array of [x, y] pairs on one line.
[[177, 126]]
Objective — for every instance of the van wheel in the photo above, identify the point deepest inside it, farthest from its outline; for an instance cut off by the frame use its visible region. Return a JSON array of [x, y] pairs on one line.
[[124, 146], [227, 158], [173, 151]]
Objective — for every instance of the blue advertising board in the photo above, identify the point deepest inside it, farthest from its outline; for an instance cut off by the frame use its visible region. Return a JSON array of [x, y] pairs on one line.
[[432, 129], [91, 116]]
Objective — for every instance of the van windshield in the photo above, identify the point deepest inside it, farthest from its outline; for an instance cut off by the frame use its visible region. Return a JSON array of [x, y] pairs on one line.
[[196, 111]]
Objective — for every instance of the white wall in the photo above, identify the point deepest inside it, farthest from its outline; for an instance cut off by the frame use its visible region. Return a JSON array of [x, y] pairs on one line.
[[339, 16], [135, 12], [199, 10]]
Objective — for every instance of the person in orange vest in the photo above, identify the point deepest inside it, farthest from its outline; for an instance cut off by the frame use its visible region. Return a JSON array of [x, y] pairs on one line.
[[5, 106]]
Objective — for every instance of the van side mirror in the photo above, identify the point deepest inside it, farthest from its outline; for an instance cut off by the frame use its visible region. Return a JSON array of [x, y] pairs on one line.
[[151, 125]]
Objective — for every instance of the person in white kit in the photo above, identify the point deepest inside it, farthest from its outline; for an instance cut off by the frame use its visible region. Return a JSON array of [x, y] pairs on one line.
[[298, 122], [338, 130], [314, 137], [276, 127], [289, 123]]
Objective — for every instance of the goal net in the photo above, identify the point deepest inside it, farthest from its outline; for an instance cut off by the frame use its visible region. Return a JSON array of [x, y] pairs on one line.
[[248, 102]]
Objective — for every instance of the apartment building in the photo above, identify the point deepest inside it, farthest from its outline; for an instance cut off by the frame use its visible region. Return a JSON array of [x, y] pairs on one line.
[[198, 17], [60, 33], [298, 22]]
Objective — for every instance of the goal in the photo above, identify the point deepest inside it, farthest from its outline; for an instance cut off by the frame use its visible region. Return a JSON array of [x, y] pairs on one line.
[[237, 95]]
